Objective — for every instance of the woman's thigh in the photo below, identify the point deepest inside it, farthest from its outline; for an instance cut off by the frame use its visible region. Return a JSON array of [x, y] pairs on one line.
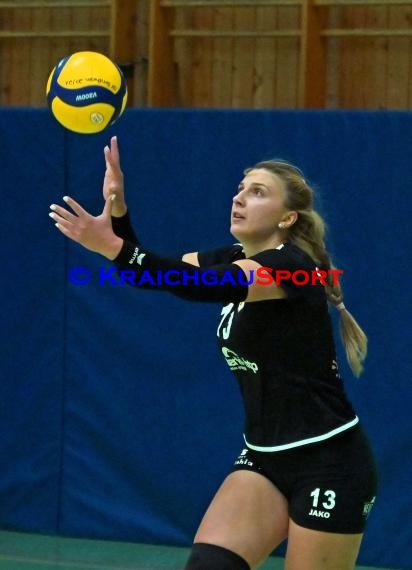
[[248, 516], [316, 550]]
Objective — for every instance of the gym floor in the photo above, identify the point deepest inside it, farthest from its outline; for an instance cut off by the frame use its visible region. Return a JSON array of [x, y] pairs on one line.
[[20, 551]]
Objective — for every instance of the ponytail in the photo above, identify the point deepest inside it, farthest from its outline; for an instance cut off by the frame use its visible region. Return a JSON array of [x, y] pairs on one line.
[[308, 234], [353, 337]]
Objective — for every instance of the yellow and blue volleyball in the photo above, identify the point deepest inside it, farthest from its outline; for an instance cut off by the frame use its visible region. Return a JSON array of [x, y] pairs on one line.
[[86, 92]]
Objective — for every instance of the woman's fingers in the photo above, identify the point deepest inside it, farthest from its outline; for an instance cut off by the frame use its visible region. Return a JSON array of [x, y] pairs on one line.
[[107, 156], [111, 154], [61, 225], [58, 212], [75, 206], [67, 219], [68, 223], [114, 150], [108, 206], [92, 232]]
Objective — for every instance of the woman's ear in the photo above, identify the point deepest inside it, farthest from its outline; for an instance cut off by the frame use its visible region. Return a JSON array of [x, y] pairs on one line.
[[288, 220]]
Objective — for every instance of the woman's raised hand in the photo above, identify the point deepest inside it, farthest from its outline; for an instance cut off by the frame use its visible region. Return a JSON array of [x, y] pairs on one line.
[[92, 232], [113, 182]]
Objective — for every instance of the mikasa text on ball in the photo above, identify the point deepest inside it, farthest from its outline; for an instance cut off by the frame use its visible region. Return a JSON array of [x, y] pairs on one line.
[[86, 92]]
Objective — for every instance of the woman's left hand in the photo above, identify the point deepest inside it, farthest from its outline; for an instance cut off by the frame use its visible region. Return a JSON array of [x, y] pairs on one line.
[[92, 232], [113, 182]]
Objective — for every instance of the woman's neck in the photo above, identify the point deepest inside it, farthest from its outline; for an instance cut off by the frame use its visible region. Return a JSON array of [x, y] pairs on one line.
[[253, 248]]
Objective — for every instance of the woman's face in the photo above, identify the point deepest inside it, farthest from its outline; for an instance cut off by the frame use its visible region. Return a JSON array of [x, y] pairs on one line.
[[258, 206]]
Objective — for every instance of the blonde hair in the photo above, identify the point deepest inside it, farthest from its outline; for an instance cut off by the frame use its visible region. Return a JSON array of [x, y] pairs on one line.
[[308, 233]]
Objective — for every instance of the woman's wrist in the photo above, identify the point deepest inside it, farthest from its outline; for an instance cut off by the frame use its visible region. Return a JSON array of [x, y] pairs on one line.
[[112, 248]]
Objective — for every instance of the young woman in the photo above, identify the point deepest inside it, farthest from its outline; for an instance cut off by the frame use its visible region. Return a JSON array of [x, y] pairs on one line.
[[306, 473]]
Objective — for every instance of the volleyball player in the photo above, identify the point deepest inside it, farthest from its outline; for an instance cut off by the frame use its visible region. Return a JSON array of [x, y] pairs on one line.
[[306, 473]]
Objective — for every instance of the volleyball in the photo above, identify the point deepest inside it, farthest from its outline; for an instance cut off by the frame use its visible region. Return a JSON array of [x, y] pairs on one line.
[[86, 92]]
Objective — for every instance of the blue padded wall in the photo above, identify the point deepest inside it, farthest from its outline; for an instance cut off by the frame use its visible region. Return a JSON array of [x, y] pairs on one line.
[[118, 416]]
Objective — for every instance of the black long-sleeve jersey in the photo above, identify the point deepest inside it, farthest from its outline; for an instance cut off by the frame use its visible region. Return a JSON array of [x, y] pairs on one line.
[[282, 353]]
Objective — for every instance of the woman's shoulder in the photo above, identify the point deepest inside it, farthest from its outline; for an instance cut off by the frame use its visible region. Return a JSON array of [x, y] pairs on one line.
[[217, 256], [287, 255]]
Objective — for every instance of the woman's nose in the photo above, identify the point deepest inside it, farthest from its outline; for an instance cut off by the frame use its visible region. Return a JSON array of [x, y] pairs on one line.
[[238, 198]]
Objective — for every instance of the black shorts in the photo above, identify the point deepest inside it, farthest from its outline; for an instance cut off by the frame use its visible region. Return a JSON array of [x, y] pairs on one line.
[[330, 486]]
